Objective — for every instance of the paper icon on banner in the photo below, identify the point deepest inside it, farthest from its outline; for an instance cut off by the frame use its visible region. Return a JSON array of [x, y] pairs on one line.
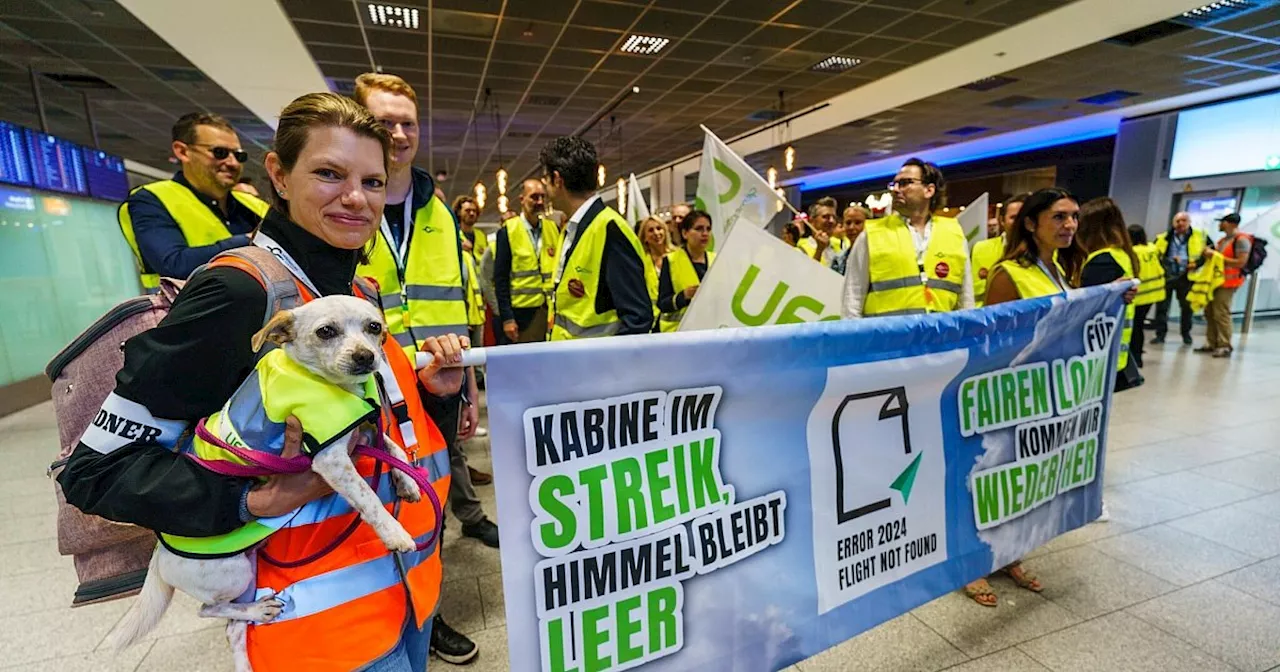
[[877, 420], [878, 473]]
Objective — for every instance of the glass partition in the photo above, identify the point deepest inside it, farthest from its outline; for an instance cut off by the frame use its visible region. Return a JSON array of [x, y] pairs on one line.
[[63, 263]]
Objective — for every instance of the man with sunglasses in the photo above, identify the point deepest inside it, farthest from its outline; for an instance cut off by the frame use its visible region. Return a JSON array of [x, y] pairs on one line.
[[910, 262], [176, 225]]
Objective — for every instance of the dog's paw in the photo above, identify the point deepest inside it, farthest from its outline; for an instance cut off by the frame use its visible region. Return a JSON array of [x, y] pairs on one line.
[[406, 487], [398, 540], [266, 609]]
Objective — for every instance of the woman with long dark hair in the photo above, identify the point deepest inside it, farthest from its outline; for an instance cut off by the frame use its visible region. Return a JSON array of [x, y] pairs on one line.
[[1041, 257], [1105, 238], [1041, 253]]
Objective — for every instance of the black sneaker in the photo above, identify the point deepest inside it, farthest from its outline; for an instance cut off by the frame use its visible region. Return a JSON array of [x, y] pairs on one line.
[[1157, 340], [1186, 340], [484, 530], [450, 645]]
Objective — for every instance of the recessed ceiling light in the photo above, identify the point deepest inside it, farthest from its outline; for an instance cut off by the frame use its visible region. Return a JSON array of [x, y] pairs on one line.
[[392, 16], [835, 64], [645, 45], [1218, 7]]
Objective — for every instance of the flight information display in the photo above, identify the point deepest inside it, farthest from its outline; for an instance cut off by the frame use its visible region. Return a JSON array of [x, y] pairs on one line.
[[106, 176], [15, 167], [56, 164]]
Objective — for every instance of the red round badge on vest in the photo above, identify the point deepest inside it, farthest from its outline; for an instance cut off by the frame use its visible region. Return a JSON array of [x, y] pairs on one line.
[[942, 269], [982, 273]]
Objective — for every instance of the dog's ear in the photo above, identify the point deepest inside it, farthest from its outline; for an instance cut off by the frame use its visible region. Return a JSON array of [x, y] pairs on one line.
[[278, 330]]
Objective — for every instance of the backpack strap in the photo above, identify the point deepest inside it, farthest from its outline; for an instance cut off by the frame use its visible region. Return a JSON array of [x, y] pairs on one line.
[[283, 291], [367, 289]]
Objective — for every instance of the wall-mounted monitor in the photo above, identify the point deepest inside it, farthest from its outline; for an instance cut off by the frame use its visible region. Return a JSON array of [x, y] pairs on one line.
[[56, 164], [1239, 136], [15, 166], [105, 174]]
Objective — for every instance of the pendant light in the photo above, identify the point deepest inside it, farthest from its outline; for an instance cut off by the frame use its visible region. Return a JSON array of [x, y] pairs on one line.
[[622, 195]]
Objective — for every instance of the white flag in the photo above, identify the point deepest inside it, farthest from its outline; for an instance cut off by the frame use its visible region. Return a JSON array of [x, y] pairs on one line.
[[974, 219], [637, 209], [758, 280], [730, 190]]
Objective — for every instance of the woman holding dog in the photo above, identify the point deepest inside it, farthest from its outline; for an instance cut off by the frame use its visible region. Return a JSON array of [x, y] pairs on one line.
[[349, 602]]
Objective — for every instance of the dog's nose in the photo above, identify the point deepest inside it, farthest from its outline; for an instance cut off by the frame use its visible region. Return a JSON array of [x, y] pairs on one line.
[[362, 360]]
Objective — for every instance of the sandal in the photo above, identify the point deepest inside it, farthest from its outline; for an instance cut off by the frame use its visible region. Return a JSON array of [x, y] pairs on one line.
[[980, 591], [1023, 578]]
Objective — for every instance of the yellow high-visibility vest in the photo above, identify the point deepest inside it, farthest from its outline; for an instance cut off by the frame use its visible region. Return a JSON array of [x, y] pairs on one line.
[[1210, 276], [1029, 280], [898, 285], [1126, 265], [1151, 273], [431, 299], [532, 269], [983, 258], [576, 317], [1195, 244], [199, 225], [683, 276]]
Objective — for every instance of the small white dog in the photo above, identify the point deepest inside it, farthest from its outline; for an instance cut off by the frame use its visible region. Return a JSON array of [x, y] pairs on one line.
[[339, 339]]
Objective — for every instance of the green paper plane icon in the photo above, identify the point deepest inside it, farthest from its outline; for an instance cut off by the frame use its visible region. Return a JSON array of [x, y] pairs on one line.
[[907, 478]]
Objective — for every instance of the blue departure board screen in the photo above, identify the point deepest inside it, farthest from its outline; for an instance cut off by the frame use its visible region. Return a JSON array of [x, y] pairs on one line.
[[56, 164], [106, 176], [15, 166]]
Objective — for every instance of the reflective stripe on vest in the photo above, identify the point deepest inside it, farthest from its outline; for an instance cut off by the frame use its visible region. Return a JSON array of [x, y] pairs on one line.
[[683, 276], [199, 225], [1126, 265], [1151, 273], [531, 269], [897, 286], [432, 300], [576, 317], [984, 257]]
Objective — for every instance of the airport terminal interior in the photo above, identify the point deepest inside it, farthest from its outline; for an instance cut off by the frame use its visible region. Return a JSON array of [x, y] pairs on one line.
[[1169, 108]]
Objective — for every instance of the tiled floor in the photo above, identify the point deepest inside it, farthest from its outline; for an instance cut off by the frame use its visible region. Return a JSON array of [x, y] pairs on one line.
[[1186, 576]]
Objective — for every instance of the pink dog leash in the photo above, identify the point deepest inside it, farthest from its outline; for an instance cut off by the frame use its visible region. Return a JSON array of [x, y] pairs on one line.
[[261, 463]]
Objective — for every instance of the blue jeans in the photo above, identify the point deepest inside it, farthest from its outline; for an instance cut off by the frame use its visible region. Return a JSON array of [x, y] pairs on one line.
[[410, 655]]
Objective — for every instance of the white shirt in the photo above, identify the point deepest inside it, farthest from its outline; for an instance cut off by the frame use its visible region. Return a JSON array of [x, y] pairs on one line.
[[570, 233], [857, 273]]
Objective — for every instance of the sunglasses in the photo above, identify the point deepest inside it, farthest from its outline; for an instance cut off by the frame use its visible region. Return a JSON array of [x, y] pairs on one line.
[[221, 153]]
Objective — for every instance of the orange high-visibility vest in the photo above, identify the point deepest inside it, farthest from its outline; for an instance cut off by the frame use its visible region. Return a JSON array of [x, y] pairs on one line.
[[1227, 246], [348, 607]]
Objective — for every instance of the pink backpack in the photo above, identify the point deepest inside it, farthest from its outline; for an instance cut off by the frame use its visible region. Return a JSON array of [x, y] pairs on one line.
[[111, 558]]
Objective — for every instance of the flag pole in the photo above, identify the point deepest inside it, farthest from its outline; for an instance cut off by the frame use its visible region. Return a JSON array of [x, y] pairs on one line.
[[784, 200]]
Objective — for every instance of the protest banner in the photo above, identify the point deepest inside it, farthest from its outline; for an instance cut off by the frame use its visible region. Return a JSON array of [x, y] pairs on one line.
[[767, 493], [759, 280], [730, 190]]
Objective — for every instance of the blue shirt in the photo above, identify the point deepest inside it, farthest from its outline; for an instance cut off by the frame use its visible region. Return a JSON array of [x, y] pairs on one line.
[[164, 249], [1178, 248]]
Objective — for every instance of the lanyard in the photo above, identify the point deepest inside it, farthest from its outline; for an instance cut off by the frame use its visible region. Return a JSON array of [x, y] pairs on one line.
[[407, 224], [1052, 276], [265, 242]]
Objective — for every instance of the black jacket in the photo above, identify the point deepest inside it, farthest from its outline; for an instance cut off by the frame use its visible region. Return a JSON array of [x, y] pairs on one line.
[[185, 369]]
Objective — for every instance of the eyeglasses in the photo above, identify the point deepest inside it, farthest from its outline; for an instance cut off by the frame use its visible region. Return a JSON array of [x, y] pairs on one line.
[[221, 153], [904, 183]]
